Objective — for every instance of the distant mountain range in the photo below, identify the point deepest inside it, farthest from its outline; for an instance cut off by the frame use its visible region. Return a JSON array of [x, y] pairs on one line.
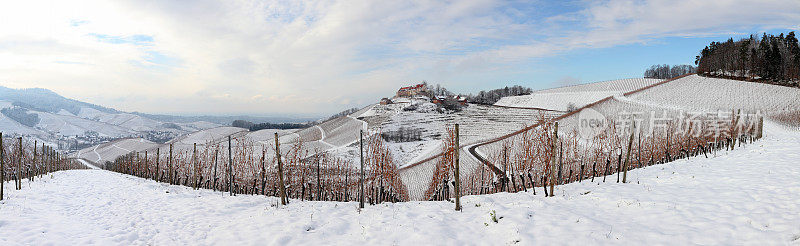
[[45, 100], [71, 124]]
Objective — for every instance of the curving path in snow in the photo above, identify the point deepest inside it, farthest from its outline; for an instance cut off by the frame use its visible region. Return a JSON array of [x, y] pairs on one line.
[[86, 163], [743, 197]]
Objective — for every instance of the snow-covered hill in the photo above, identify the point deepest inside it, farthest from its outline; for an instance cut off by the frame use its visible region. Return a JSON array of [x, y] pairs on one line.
[[102, 153], [578, 95], [695, 93], [702, 93], [91, 125], [67, 125]]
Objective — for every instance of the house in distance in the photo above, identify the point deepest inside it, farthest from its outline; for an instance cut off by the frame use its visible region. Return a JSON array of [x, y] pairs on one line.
[[411, 91]]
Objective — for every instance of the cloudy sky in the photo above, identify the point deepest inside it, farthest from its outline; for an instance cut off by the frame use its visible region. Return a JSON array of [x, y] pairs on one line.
[[316, 58]]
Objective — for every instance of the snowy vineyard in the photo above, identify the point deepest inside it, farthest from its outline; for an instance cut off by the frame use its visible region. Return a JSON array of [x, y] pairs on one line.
[[237, 167], [535, 157], [21, 159], [532, 157], [539, 157]]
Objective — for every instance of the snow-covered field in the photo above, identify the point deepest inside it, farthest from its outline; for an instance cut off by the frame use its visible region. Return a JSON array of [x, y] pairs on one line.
[[578, 95], [10, 125], [267, 134], [99, 154], [208, 136], [682, 95], [72, 125], [743, 197], [721, 94]]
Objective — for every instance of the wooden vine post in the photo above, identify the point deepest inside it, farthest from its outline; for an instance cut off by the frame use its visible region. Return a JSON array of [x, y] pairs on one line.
[[169, 163], [230, 167], [319, 178], [284, 201], [216, 152], [35, 169], [457, 174], [158, 156], [553, 159], [19, 165], [735, 128], [138, 167], [146, 166], [639, 150], [263, 172], [194, 166], [628, 155], [361, 181], [560, 161], [2, 166]]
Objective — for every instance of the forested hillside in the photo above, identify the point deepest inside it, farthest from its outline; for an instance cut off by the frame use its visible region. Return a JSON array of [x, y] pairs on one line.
[[769, 58]]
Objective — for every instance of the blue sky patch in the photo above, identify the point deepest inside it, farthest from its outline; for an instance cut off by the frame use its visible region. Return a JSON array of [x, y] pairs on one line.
[[141, 40]]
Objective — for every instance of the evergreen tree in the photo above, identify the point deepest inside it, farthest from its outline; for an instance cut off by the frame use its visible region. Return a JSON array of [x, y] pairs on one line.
[[776, 60], [793, 70], [765, 54]]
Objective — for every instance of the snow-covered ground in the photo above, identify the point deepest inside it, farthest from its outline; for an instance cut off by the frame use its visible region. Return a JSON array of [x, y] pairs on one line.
[[72, 125], [721, 94], [577, 95], [744, 197], [207, 136], [102, 153]]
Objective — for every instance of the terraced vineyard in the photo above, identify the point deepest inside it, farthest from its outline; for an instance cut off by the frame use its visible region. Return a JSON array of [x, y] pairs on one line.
[[71, 125], [721, 94], [267, 135], [109, 151], [578, 95], [477, 121]]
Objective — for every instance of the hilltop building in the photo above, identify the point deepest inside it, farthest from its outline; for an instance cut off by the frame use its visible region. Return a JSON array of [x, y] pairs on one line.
[[411, 91]]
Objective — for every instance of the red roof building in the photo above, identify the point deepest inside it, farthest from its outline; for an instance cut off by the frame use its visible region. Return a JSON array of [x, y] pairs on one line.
[[410, 91]]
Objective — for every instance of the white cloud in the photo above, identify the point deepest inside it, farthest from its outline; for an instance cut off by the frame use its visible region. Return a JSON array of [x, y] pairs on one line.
[[267, 56]]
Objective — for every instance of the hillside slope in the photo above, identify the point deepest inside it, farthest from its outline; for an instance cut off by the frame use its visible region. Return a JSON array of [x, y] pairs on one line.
[[704, 93], [577, 96], [89, 126], [102, 153]]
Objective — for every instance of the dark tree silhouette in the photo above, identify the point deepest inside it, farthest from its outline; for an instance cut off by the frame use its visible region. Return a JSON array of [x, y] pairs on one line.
[[665, 71], [492, 96], [770, 58]]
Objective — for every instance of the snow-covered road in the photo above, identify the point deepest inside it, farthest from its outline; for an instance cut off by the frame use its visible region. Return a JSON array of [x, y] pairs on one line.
[[87, 164], [749, 196]]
